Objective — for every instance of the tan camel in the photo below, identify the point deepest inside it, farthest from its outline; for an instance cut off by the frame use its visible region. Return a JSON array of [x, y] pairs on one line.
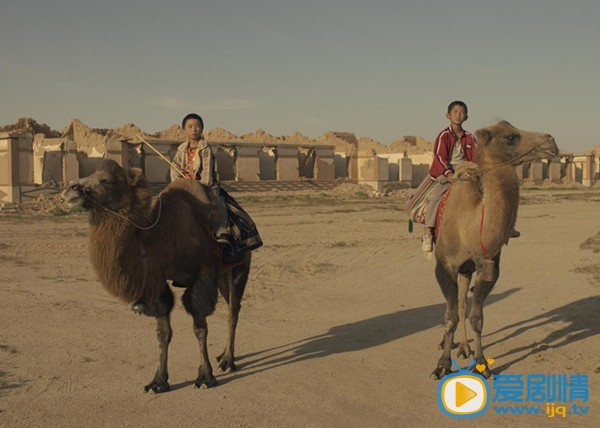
[[137, 243], [478, 218]]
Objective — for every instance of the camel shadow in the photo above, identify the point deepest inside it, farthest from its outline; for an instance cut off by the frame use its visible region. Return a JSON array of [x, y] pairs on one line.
[[181, 385], [576, 321], [356, 336]]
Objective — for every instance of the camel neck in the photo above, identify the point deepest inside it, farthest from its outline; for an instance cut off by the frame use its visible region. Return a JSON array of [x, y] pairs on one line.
[[112, 238], [501, 203], [106, 226], [500, 185]]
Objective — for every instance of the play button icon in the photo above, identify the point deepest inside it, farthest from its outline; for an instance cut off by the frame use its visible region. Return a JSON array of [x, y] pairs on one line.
[[463, 395]]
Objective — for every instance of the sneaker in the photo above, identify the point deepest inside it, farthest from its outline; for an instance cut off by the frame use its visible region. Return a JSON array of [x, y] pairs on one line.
[[138, 306], [515, 233], [224, 240], [427, 244]]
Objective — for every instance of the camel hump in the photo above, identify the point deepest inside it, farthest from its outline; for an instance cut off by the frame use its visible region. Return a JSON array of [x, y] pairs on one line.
[[193, 187]]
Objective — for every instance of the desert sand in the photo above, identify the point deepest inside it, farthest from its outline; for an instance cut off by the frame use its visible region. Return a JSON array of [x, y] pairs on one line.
[[339, 326]]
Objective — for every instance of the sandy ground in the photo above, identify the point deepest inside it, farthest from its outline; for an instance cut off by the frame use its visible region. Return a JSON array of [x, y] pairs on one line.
[[339, 326]]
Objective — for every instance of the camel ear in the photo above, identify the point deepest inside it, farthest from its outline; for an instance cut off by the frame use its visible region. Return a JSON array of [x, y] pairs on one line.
[[483, 136], [135, 177]]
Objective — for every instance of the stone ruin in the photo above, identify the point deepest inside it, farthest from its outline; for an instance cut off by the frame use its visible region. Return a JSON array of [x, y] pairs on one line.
[[33, 156]]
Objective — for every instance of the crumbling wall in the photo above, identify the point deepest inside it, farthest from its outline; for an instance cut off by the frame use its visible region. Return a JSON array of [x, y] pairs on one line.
[[171, 155], [287, 163], [91, 141], [225, 157], [16, 165], [306, 162], [47, 159], [420, 167], [341, 164], [248, 163], [393, 165], [324, 163], [87, 164], [52, 170], [343, 142], [155, 167], [267, 157], [53, 157]]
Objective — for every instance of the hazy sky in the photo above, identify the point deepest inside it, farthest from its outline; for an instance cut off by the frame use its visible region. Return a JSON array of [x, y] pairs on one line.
[[377, 68]]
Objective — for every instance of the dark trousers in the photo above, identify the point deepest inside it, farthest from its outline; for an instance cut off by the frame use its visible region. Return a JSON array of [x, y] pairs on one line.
[[221, 221]]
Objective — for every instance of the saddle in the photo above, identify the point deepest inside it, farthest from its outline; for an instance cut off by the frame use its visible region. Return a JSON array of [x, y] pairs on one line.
[[416, 206], [441, 209], [244, 233]]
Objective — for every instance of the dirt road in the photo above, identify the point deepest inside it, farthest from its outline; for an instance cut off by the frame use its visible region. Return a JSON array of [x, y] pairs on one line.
[[339, 326]]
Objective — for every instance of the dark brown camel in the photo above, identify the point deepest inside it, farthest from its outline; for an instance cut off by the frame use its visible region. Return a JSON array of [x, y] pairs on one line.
[[478, 218], [137, 243]]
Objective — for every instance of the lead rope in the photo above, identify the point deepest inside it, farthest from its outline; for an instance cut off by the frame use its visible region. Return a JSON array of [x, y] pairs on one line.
[[127, 219], [143, 249], [483, 171], [485, 251], [145, 265]]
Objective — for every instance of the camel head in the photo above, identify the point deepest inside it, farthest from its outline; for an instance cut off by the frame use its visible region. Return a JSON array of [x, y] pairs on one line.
[[109, 187], [504, 144]]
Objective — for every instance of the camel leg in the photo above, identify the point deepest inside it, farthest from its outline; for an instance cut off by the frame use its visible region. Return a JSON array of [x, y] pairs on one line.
[[205, 374], [199, 301], [232, 288], [227, 358], [480, 291], [226, 287], [464, 350], [162, 311], [449, 288]]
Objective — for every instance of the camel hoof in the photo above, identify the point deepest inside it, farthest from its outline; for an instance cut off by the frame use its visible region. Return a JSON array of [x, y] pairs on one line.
[[441, 345], [464, 351], [226, 362], [157, 386], [444, 368], [205, 381], [440, 372]]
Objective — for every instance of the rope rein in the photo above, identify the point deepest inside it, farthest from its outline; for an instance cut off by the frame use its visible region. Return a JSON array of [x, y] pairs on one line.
[[515, 158], [483, 171], [118, 214], [143, 248], [485, 251]]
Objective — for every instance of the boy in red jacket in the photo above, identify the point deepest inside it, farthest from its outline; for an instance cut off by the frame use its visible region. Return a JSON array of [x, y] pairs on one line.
[[452, 146]]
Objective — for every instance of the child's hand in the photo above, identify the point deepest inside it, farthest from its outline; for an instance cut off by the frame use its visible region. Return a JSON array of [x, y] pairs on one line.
[[443, 179]]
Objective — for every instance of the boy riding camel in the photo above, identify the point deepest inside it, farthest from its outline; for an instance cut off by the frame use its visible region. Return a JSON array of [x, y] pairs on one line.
[[452, 146]]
